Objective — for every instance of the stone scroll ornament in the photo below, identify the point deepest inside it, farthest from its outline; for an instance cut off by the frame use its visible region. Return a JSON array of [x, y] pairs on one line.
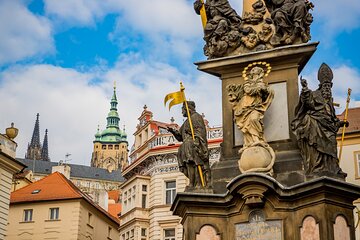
[[250, 101], [265, 24], [316, 125]]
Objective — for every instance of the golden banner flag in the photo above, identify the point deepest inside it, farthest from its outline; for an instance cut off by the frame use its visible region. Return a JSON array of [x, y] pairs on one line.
[[175, 97]]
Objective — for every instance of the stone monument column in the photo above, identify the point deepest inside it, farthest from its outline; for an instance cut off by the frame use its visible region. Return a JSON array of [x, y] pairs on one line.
[[286, 63], [304, 195]]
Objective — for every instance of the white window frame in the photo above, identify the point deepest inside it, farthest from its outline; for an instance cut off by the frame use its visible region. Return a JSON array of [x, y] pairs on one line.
[[28, 215], [357, 163], [171, 191], [169, 237], [54, 213]]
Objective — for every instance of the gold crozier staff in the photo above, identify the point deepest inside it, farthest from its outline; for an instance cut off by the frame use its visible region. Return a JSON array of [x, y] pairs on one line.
[[345, 119]]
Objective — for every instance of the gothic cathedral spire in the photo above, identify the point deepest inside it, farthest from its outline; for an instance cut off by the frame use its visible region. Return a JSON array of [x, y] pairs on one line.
[[45, 148], [35, 151], [34, 148]]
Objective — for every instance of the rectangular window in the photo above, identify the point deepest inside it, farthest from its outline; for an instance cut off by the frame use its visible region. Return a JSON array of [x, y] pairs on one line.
[[144, 188], [170, 192], [169, 234], [143, 232], [28, 213], [54, 213], [357, 160], [110, 147], [109, 232], [103, 146], [90, 217], [143, 201], [116, 147]]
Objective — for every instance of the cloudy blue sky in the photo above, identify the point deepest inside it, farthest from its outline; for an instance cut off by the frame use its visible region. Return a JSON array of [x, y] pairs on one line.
[[60, 59]]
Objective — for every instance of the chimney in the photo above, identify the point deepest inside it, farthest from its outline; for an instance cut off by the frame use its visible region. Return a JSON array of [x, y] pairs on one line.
[[62, 168]]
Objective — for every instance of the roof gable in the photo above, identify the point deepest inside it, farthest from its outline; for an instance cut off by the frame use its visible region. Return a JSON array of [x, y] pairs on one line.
[[52, 187], [353, 119]]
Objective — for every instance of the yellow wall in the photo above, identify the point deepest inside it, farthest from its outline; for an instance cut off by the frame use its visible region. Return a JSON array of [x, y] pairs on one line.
[[102, 155], [348, 164], [41, 227], [98, 226], [8, 167], [72, 223]]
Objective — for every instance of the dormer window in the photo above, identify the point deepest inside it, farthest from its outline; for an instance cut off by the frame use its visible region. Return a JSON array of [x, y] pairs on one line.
[[36, 191]]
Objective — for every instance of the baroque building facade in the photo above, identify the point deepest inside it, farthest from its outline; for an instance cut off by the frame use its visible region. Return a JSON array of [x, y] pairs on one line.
[[110, 146], [9, 166], [350, 158], [153, 179], [54, 208], [96, 182]]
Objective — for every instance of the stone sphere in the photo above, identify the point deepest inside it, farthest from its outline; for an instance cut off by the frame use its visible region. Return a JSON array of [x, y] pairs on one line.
[[255, 158]]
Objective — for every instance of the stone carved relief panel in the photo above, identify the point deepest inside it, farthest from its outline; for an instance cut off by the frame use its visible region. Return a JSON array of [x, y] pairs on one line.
[[309, 229], [258, 228], [341, 229], [207, 232]]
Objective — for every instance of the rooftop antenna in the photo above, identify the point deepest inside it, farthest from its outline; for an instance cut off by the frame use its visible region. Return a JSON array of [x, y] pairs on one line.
[[66, 160]]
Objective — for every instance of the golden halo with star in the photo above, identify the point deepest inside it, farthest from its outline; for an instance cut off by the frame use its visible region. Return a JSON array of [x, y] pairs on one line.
[[266, 66]]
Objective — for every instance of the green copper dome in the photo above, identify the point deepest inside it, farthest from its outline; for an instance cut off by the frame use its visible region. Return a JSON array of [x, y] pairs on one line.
[[113, 113], [112, 133]]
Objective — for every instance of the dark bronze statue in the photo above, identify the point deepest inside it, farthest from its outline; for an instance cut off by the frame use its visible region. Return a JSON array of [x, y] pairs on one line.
[[291, 19], [193, 153], [221, 33], [316, 125]]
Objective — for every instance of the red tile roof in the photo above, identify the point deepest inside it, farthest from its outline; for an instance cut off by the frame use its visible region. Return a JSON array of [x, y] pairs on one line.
[[114, 194], [353, 119], [114, 209], [53, 187]]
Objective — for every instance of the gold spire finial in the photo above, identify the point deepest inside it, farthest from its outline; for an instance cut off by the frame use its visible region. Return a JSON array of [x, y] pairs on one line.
[[114, 84]]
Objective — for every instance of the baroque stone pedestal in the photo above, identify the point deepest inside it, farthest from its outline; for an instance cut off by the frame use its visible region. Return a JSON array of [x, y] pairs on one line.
[[286, 62], [256, 206]]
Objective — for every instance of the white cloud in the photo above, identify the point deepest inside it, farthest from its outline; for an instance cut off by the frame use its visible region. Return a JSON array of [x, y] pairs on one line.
[[68, 107], [337, 16], [79, 12], [71, 105], [176, 18], [172, 28], [23, 34], [344, 77]]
